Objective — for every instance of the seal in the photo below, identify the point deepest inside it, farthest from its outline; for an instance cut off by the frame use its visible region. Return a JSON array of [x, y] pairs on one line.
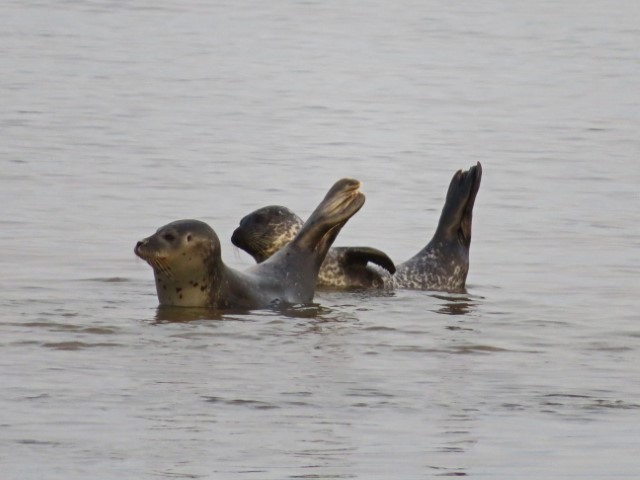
[[443, 264], [185, 256], [268, 229]]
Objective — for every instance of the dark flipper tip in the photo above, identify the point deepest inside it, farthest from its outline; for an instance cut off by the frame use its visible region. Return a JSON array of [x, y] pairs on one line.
[[368, 254]]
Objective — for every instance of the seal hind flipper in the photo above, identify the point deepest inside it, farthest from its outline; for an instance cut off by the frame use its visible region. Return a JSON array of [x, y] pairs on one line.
[[457, 212], [348, 267], [364, 255], [443, 264], [465, 224], [323, 225]]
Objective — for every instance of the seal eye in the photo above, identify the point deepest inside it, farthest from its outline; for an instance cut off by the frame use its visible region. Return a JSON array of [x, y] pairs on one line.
[[169, 237], [189, 238]]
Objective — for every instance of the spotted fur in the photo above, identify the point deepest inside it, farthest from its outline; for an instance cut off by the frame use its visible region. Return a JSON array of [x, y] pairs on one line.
[[266, 230]]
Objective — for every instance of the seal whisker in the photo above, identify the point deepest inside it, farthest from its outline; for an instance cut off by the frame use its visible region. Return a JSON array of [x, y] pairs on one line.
[[164, 267], [159, 264]]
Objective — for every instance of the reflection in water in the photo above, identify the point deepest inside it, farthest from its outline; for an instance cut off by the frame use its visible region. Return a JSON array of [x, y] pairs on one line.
[[573, 404], [76, 345], [455, 303], [166, 314], [301, 310], [309, 311], [108, 280], [316, 319]]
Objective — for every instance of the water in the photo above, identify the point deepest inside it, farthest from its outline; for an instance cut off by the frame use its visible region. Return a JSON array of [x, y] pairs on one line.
[[119, 117]]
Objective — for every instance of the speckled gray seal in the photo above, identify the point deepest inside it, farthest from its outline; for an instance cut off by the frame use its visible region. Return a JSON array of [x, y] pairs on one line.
[[188, 268], [443, 264], [268, 229]]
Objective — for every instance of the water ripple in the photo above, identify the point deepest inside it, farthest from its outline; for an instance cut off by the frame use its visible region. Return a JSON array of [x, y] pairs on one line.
[[75, 345]]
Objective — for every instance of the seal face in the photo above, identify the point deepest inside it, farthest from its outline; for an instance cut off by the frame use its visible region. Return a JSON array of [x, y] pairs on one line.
[[180, 254], [268, 229], [443, 264], [185, 256]]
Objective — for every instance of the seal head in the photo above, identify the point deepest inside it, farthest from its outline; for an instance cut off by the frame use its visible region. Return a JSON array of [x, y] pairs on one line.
[[265, 231], [184, 256]]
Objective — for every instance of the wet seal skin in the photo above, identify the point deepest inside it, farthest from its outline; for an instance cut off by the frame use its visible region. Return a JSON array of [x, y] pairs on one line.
[[443, 264], [185, 256]]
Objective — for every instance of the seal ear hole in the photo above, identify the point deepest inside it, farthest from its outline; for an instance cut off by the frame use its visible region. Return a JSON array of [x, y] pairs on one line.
[[189, 238]]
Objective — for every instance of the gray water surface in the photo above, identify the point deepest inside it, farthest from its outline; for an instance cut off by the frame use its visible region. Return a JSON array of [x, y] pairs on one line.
[[118, 117]]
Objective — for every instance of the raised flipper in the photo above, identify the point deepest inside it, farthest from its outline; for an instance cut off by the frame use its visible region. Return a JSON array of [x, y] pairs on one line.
[[348, 267], [457, 213], [364, 255], [443, 263]]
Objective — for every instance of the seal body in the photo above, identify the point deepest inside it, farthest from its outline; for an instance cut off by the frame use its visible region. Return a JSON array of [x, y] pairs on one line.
[[185, 256], [443, 264], [268, 229]]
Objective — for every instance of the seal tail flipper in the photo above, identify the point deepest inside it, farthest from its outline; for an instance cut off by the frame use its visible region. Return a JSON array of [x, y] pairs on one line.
[[467, 217], [457, 213], [364, 255], [342, 201]]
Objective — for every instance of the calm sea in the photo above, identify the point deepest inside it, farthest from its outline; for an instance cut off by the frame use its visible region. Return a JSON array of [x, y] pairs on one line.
[[118, 117]]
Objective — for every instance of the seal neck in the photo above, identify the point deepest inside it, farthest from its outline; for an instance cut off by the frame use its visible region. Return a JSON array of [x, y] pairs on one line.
[[188, 287]]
